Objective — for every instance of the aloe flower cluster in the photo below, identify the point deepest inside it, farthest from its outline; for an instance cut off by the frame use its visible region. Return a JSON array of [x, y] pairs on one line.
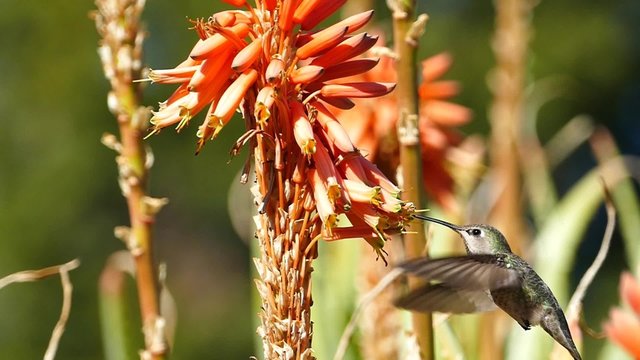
[[285, 77]]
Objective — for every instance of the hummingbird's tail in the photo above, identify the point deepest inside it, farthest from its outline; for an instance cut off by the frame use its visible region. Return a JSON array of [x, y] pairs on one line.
[[556, 326]]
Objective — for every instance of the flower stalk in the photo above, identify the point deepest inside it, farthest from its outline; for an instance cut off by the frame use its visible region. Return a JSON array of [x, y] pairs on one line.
[[118, 23], [404, 32]]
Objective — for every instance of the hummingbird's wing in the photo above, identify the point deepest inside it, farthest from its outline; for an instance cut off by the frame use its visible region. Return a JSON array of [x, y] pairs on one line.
[[441, 298], [470, 272]]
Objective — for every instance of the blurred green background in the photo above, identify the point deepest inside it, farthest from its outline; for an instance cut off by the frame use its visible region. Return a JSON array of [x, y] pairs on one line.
[[59, 198]]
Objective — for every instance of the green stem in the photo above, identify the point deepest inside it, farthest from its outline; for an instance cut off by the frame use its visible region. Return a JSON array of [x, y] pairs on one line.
[[118, 24], [410, 156]]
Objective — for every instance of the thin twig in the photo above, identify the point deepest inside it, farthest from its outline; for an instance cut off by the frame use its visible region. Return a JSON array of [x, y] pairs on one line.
[[34, 275], [67, 289], [574, 309], [366, 299]]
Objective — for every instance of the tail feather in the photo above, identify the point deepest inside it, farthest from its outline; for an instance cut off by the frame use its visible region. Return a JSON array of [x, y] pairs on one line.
[[557, 327]]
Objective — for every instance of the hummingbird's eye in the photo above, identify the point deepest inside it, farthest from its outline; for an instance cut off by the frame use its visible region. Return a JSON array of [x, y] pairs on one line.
[[475, 232]]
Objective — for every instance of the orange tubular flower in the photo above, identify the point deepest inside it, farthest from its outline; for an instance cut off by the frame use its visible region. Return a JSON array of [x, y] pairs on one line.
[[244, 59], [623, 327]]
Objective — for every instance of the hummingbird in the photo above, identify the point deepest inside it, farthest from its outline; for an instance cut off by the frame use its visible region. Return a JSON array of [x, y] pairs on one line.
[[489, 275]]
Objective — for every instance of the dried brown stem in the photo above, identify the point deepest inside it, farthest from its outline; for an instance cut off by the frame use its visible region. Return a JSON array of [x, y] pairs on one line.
[[287, 248], [118, 22]]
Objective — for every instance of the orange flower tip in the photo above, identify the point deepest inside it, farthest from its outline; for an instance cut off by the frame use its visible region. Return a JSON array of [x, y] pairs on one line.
[[323, 40], [266, 96], [237, 3], [347, 49], [357, 90], [230, 99], [288, 8], [630, 291], [172, 76], [623, 329], [358, 189], [322, 12], [349, 68], [302, 129], [445, 113], [247, 56], [270, 4], [225, 18], [376, 176], [357, 21], [208, 73], [439, 90], [274, 71], [305, 8], [218, 42], [340, 103], [264, 101], [306, 74], [339, 137], [188, 62], [436, 66], [162, 119]]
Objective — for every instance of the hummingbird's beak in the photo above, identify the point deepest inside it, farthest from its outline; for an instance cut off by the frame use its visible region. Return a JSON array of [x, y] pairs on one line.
[[438, 221]]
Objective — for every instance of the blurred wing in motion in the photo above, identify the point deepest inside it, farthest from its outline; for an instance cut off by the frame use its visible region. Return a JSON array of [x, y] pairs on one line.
[[441, 298], [470, 272]]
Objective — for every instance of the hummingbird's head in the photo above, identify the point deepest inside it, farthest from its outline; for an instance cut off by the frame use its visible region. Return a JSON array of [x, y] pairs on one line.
[[478, 238], [482, 239]]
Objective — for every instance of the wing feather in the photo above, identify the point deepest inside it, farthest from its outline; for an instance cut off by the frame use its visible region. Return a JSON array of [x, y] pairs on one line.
[[474, 272], [440, 298]]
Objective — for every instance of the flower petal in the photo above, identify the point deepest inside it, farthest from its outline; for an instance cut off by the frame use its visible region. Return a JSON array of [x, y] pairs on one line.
[[436, 66], [247, 56], [306, 74], [630, 291], [324, 39], [322, 12], [445, 113], [357, 90], [624, 329], [346, 50]]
